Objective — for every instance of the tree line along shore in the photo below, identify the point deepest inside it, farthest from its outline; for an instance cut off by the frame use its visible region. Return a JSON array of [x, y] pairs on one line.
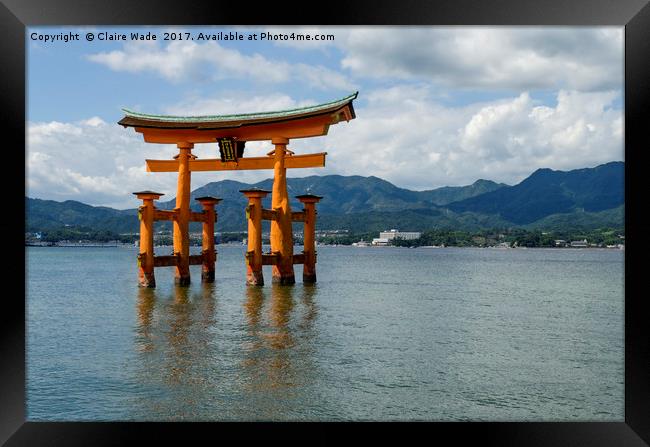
[[498, 237]]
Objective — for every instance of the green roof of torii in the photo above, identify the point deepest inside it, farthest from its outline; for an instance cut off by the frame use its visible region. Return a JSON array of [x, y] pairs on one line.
[[132, 118]]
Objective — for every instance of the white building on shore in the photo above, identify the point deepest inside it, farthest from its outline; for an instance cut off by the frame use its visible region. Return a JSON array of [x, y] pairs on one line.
[[385, 237], [393, 234]]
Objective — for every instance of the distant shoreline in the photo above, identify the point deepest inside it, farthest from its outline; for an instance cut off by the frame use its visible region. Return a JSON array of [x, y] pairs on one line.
[[108, 245]]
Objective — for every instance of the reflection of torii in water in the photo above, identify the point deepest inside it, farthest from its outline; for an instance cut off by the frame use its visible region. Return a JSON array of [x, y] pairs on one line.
[[177, 339], [277, 354], [232, 132], [174, 345]]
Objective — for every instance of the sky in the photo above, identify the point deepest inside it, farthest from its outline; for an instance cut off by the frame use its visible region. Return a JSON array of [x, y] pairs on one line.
[[437, 106]]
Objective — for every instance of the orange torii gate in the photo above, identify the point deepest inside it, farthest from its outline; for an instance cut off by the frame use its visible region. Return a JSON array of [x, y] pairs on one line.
[[232, 132]]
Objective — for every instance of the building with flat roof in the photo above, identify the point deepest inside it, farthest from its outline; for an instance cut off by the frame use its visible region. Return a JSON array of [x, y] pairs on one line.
[[392, 234]]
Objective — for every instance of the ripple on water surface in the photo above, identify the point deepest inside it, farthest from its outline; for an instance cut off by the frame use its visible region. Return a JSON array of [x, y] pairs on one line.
[[386, 334]]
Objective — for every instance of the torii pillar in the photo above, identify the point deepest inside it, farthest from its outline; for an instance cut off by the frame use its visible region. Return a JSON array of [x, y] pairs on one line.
[[309, 237], [254, 257], [146, 257], [281, 228], [208, 253], [182, 210]]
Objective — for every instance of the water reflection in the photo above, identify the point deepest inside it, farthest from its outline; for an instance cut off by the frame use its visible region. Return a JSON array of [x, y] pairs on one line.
[[280, 337], [174, 342], [384, 352], [278, 364], [177, 326], [146, 300], [311, 310], [278, 347], [194, 372], [179, 359], [266, 364]]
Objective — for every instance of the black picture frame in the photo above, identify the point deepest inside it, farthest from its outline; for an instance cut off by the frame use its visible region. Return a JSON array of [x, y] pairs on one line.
[[15, 15]]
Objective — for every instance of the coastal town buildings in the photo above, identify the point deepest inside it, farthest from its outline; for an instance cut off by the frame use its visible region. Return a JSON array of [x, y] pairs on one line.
[[386, 237]]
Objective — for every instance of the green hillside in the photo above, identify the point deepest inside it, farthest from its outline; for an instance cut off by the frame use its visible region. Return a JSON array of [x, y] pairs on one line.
[[547, 192], [583, 198]]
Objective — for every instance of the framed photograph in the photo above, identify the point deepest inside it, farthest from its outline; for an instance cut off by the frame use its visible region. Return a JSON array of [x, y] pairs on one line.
[[435, 219]]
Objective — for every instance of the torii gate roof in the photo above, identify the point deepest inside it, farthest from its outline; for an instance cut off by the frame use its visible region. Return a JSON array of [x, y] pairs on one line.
[[293, 123]]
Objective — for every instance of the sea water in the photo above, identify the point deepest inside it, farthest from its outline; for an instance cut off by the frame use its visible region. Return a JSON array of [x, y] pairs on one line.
[[386, 334]]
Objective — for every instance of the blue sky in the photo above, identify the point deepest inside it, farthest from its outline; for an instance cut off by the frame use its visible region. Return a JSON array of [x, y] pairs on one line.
[[437, 105]]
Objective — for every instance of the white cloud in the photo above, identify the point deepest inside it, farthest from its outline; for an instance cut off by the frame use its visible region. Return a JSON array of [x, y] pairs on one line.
[[404, 136], [91, 161], [94, 121], [401, 134], [102, 163], [210, 61], [478, 57], [519, 58], [513, 58]]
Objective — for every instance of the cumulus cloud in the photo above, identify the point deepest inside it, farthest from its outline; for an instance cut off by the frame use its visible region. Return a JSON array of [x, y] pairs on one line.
[[402, 135], [91, 161], [519, 58], [101, 163], [583, 59], [516, 58], [403, 131], [405, 136], [210, 61]]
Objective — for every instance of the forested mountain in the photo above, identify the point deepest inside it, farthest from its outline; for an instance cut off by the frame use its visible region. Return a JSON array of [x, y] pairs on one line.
[[589, 198]]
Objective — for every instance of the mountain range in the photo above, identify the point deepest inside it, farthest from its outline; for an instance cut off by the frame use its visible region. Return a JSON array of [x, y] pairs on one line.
[[586, 198]]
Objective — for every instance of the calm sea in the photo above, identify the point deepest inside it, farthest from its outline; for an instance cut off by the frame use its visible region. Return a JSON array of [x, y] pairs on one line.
[[386, 334]]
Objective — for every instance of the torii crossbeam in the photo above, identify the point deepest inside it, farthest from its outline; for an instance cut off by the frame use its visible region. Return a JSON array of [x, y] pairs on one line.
[[232, 132]]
